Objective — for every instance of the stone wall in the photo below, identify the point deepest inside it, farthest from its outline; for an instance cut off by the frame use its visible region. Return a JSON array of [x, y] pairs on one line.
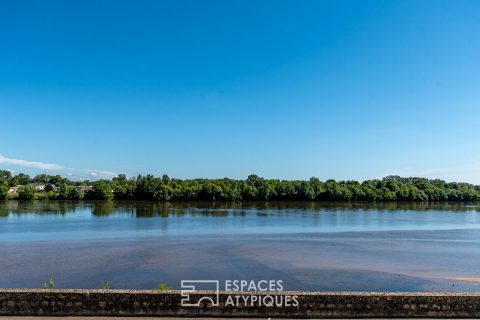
[[168, 303]]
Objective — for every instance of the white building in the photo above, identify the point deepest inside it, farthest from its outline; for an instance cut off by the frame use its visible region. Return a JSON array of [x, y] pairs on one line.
[[13, 189], [41, 186]]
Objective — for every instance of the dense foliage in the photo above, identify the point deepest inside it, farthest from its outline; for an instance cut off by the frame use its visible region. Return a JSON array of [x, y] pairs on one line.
[[163, 188]]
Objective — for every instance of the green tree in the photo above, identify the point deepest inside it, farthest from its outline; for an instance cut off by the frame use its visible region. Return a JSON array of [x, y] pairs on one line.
[[20, 179], [41, 178], [5, 176], [67, 192], [102, 190], [145, 187], [123, 188], [3, 190], [163, 192], [307, 191], [26, 192], [249, 192]]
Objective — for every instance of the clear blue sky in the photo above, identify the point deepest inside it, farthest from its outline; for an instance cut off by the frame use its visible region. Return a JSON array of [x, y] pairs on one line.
[[283, 89]]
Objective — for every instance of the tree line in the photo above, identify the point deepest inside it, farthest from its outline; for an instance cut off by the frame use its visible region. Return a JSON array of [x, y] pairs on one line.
[[149, 187]]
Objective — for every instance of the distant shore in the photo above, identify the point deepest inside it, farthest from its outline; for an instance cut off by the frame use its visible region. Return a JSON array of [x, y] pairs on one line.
[[149, 187]]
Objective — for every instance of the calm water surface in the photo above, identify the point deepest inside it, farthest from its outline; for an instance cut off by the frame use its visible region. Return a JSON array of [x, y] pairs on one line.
[[310, 246]]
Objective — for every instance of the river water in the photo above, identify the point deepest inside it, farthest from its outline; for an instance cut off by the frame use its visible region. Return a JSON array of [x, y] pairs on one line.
[[309, 246]]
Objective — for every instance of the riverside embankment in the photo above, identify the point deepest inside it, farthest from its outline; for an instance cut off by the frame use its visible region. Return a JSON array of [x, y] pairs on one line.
[[29, 302]]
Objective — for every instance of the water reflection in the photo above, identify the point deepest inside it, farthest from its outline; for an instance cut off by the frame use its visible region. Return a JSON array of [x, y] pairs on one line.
[[145, 209], [311, 245]]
